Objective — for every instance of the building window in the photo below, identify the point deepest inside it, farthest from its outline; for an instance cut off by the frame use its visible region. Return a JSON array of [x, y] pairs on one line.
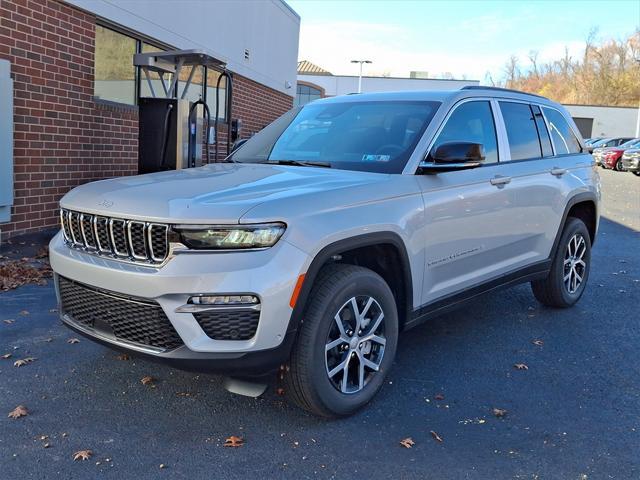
[[115, 75], [306, 94]]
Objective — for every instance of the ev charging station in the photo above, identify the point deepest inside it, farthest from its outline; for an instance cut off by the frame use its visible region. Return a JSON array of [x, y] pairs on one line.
[[172, 129]]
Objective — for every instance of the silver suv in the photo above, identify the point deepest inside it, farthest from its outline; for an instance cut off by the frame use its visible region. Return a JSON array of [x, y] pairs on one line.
[[328, 233]]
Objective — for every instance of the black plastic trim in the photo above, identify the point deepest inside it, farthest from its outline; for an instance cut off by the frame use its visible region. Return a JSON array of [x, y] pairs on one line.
[[359, 241], [255, 363], [535, 271], [578, 198]]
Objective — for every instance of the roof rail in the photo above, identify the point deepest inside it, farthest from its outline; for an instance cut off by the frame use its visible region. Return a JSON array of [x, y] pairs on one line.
[[500, 89]]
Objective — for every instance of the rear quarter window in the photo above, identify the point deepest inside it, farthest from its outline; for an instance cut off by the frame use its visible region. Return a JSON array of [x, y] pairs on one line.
[[564, 140]]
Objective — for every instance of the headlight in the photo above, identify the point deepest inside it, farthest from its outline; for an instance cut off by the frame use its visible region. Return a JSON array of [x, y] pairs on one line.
[[223, 237]]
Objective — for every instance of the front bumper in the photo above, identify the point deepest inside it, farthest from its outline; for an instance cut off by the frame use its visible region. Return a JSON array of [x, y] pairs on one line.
[[631, 164], [268, 274]]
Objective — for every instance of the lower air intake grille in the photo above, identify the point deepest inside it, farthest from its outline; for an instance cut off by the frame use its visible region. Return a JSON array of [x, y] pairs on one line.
[[229, 325], [132, 320]]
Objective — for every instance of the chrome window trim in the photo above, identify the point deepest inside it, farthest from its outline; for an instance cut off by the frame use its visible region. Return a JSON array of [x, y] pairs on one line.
[[490, 101]]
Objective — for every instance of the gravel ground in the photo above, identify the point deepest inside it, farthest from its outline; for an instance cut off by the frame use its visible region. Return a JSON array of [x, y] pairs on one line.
[[574, 414]]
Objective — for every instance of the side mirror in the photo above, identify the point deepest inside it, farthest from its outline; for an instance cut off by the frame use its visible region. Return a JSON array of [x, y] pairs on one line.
[[449, 157]]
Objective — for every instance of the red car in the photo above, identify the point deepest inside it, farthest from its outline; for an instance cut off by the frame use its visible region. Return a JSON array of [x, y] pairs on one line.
[[612, 157]]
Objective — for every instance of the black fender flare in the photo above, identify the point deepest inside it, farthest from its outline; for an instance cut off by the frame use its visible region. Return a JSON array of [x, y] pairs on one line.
[[578, 198], [336, 248]]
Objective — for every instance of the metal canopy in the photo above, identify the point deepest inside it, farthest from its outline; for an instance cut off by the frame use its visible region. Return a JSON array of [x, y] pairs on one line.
[[171, 63]]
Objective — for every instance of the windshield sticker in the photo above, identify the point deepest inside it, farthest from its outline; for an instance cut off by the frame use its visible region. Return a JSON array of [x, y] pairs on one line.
[[375, 158]]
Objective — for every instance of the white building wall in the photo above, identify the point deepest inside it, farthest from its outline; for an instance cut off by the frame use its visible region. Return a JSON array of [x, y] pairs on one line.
[[342, 85], [607, 121], [269, 29]]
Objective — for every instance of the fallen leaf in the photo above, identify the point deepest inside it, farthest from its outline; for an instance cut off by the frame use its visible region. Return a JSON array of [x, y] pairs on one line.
[[9, 321], [407, 442], [19, 411], [24, 313], [439, 396], [280, 391], [520, 366], [82, 455], [15, 273], [162, 465], [123, 356], [233, 441], [537, 342], [5, 356], [147, 380], [436, 437], [499, 412], [73, 340], [22, 362]]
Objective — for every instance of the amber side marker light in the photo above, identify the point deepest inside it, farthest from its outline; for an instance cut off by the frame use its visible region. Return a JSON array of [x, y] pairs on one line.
[[296, 291]]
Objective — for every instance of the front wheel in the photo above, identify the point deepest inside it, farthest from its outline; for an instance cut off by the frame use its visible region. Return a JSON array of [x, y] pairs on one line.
[[347, 342], [569, 272], [619, 166]]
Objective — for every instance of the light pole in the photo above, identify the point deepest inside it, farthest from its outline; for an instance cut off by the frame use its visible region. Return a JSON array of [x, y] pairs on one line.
[[360, 76]]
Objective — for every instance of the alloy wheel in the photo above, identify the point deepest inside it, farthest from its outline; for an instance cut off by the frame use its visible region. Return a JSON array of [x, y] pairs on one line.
[[574, 263], [355, 344]]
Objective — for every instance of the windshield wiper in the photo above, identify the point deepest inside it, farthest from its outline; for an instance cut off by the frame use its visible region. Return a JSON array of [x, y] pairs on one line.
[[301, 163]]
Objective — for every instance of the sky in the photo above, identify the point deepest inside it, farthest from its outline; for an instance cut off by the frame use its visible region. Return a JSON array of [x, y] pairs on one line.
[[465, 38]]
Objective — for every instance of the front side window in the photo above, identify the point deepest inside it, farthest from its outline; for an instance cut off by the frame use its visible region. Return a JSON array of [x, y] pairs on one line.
[[522, 132], [115, 75], [563, 137], [471, 122], [376, 136]]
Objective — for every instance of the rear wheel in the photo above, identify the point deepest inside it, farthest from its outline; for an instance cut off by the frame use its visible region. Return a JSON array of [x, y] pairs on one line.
[[346, 344], [570, 268]]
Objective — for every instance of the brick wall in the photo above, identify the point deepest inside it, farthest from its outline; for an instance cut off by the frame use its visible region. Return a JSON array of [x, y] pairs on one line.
[[62, 136]]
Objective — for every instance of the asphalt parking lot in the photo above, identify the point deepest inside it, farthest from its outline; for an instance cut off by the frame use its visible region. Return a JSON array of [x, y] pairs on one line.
[[573, 414]]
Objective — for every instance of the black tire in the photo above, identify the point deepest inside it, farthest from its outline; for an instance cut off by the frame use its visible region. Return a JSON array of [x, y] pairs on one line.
[[619, 167], [553, 291], [637, 173], [307, 381]]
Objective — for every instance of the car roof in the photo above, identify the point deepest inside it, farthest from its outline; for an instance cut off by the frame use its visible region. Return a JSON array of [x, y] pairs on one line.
[[443, 96]]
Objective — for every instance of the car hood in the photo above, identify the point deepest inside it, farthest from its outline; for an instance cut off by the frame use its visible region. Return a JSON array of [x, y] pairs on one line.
[[216, 193]]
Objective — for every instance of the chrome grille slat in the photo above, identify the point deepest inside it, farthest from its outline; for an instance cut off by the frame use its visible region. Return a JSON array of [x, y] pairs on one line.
[[128, 240]]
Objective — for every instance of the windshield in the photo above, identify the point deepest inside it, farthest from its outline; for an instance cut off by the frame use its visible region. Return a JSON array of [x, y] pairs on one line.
[[367, 136]]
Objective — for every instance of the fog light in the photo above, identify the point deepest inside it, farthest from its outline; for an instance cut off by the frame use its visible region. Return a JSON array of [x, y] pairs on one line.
[[224, 300]]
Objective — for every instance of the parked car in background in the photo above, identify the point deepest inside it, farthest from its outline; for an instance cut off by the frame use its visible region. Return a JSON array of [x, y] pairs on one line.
[[592, 140], [612, 157], [607, 142], [631, 160]]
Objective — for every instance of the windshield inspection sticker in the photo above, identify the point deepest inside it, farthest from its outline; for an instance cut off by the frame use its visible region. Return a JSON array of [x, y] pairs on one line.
[[375, 158]]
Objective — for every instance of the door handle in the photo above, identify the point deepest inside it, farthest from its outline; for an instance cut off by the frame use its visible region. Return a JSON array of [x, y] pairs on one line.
[[500, 181], [557, 171]]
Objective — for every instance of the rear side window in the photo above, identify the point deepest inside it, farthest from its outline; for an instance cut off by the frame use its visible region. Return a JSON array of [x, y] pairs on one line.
[[521, 130], [563, 138], [543, 133], [471, 122]]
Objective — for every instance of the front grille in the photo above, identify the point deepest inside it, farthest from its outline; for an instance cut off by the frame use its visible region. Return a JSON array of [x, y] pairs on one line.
[[229, 324], [139, 242], [132, 320]]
